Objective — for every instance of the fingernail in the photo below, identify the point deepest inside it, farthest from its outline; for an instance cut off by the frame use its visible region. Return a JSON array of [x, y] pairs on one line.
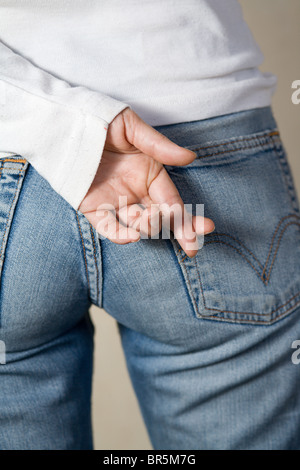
[[134, 241], [211, 231]]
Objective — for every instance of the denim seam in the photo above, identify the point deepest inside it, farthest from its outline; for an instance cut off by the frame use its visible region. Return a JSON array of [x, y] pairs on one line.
[[285, 173], [238, 251], [220, 234], [253, 321], [96, 264], [190, 297], [278, 244], [19, 172], [255, 137], [269, 140], [90, 257], [14, 169], [242, 313], [274, 236], [243, 139], [245, 313], [13, 160], [84, 252], [186, 276], [223, 152], [9, 214], [263, 277]]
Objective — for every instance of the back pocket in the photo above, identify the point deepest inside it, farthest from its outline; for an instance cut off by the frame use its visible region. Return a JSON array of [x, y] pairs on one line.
[[248, 270], [12, 171]]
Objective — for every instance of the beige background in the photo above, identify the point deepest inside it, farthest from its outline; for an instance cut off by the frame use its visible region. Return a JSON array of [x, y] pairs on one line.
[[117, 421]]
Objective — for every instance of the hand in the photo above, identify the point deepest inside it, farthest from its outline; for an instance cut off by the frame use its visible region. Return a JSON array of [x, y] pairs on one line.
[[132, 167]]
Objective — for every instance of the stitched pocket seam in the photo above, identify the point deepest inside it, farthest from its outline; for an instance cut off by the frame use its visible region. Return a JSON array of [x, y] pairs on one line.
[[10, 206], [267, 267], [90, 254]]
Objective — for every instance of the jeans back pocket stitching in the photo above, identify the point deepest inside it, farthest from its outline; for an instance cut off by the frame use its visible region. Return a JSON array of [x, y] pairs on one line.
[[218, 315], [239, 252], [246, 313], [220, 234], [186, 277], [238, 312], [283, 219], [274, 138], [219, 312], [252, 321], [278, 244], [261, 141], [237, 141], [263, 276], [287, 177]]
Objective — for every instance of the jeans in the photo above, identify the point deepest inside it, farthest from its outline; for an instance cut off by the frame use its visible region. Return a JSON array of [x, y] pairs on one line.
[[208, 341]]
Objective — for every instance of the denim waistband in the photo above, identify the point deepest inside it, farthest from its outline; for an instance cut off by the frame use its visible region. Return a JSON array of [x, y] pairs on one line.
[[220, 128]]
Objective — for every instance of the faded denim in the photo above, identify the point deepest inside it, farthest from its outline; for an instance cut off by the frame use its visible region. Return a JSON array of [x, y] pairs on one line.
[[207, 340]]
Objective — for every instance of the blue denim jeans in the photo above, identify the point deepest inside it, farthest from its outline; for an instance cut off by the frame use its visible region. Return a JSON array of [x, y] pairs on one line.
[[208, 341]]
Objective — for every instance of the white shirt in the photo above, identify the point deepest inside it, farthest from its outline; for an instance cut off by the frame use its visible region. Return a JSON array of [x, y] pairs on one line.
[[68, 67]]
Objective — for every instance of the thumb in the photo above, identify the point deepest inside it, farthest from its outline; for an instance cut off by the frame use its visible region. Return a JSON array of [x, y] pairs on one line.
[[153, 143]]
